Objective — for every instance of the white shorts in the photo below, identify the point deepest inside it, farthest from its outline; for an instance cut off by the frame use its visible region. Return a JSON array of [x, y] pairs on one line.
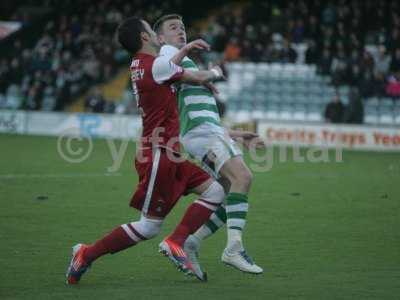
[[211, 145]]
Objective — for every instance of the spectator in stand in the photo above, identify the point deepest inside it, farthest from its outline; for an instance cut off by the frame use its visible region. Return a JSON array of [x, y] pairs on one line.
[[395, 62], [334, 111], [328, 14], [339, 68], [325, 62], [393, 85], [355, 75], [232, 50], [4, 69], [287, 54], [95, 101], [354, 112], [366, 84], [368, 81], [380, 85], [311, 56], [382, 61], [393, 42], [77, 51], [298, 31], [367, 62]]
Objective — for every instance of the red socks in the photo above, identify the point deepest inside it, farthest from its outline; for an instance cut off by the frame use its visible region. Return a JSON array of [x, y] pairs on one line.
[[113, 242], [195, 216], [118, 239]]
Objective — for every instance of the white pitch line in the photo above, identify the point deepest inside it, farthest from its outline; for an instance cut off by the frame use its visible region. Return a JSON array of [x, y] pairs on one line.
[[65, 175]]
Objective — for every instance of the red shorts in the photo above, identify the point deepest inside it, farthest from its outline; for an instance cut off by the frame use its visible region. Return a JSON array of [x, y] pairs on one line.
[[163, 181]]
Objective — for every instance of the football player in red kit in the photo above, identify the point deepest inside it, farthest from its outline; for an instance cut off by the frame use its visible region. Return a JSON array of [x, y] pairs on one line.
[[163, 175]]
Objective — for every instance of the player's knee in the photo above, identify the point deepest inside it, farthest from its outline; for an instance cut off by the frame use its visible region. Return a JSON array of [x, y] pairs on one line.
[[247, 177], [242, 177], [213, 196], [147, 228]]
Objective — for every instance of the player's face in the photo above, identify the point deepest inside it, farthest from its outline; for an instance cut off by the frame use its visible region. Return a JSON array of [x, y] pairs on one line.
[[152, 36], [173, 33]]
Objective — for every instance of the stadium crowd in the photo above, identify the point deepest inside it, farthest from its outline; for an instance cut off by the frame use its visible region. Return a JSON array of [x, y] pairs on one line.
[[337, 35], [75, 51]]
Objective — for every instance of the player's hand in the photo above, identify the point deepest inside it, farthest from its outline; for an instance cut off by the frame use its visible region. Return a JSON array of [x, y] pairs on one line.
[[248, 139], [197, 44], [219, 74], [212, 88]]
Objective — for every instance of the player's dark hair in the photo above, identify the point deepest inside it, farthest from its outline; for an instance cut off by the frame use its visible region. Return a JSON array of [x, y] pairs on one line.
[[128, 33], [159, 23]]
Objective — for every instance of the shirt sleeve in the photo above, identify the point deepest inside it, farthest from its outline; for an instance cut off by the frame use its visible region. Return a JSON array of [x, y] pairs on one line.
[[168, 51], [165, 71]]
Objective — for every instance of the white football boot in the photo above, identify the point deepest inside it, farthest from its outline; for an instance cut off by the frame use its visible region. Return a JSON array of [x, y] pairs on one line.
[[241, 261], [192, 247]]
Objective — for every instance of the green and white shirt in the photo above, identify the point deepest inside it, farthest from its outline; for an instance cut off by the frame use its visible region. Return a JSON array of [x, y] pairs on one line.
[[196, 103]]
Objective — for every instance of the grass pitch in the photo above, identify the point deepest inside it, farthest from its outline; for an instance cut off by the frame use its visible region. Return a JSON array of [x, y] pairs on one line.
[[320, 230]]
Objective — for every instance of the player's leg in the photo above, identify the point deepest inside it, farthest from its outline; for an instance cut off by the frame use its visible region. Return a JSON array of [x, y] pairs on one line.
[[121, 238], [211, 195], [215, 222], [236, 207], [220, 156], [240, 177], [130, 234], [198, 144], [223, 158]]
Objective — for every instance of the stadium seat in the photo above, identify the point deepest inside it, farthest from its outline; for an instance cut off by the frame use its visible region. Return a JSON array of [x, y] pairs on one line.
[[315, 89], [248, 77], [286, 112], [301, 99], [293, 91], [386, 116], [370, 109], [272, 111], [235, 67], [257, 114], [274, 98], [299, 112], [249, 67], [371, 114], [287, 98], [260, 87], [242, 116], [314, 99], [372, 101], [13, 97], [387, 102], [314, 113], [397, 115], [49, 100], [274, 87], [301, 87], [258, 97]]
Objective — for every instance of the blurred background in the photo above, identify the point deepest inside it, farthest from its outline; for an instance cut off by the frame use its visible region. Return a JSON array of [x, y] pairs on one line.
[[316, 61], [305, 75]]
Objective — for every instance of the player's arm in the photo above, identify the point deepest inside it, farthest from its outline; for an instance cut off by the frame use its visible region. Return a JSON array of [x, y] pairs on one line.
[[202, 77], [176, 56], [246, 138], [198, 44], [165, 71]]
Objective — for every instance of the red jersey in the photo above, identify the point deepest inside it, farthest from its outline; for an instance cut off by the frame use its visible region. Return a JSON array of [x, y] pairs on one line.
[[152, 78], [162, 180]]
